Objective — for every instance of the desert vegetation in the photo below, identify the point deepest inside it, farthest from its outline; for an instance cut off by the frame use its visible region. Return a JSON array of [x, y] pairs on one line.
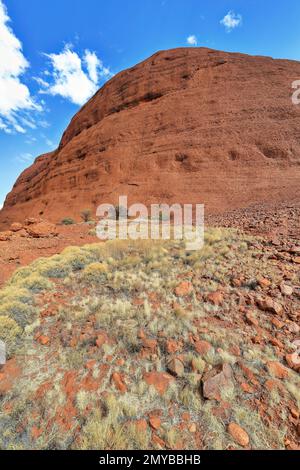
[[144, 345], [86, 215], [67, 221]]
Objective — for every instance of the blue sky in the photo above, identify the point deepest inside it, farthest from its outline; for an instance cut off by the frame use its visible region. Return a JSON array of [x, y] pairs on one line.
[[54, 54]]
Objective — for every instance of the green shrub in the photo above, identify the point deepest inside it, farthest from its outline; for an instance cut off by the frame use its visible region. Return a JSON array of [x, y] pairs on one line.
[[57, 271], [86, 215], [67, 221], [95, 272], [13, 293], [78, 258], [36, 283], [18, 311], [9, 331]]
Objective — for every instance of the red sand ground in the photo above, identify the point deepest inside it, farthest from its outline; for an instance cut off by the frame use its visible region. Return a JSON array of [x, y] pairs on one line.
[[280, 224]]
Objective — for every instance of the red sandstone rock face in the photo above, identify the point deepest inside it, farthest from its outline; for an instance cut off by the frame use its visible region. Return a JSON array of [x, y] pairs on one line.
[[186, 125]]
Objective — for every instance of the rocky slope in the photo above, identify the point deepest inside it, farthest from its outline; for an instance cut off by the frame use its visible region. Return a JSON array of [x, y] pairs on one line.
[[141, 345], [186, 125]]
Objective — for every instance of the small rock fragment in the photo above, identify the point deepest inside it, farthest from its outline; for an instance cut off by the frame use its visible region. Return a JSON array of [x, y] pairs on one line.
[[16, 227], [286, 290], [155, 422], [251, 319], [159, 380], [238, 434], [175, 367], [212, 387], [117, 379], [184, 289], [277, 370], [269, 305], [202, 347], [263, 282], [215, 298]]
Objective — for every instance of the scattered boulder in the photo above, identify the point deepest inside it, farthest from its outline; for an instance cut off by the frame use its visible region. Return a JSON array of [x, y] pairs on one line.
[[251, 319], [277, 323], [119, 383], [184, 289], [290, 445], [42, 230], [295, 413], [286, 289], [90, 364], [150, 344], [5, 236], [176, 367], [263, 282], [215, 298], [247, 388], [102, 338], [30, 221], [203, 347], [9, 374], [276, 342], [293, 361], [238, 434], [36, 432], [267, 304], [155, 422], [43, 340], [22, 233], [294, 250], [293, 327], [16, 227], [277, 370], [159, 380], [212, 387], [141, 425], [173, 346]]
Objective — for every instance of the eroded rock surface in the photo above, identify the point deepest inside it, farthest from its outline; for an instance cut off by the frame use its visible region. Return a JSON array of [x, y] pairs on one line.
[[186, 125]]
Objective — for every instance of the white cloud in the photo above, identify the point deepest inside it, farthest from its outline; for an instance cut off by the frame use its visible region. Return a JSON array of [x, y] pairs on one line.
[[30, 140], [25, 158], [26, 121], [192, 40], [231, 21], [48, 141], [92, 63], [3, 126], [45, 124], [40, 81], [15, 97], [74, 78]]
